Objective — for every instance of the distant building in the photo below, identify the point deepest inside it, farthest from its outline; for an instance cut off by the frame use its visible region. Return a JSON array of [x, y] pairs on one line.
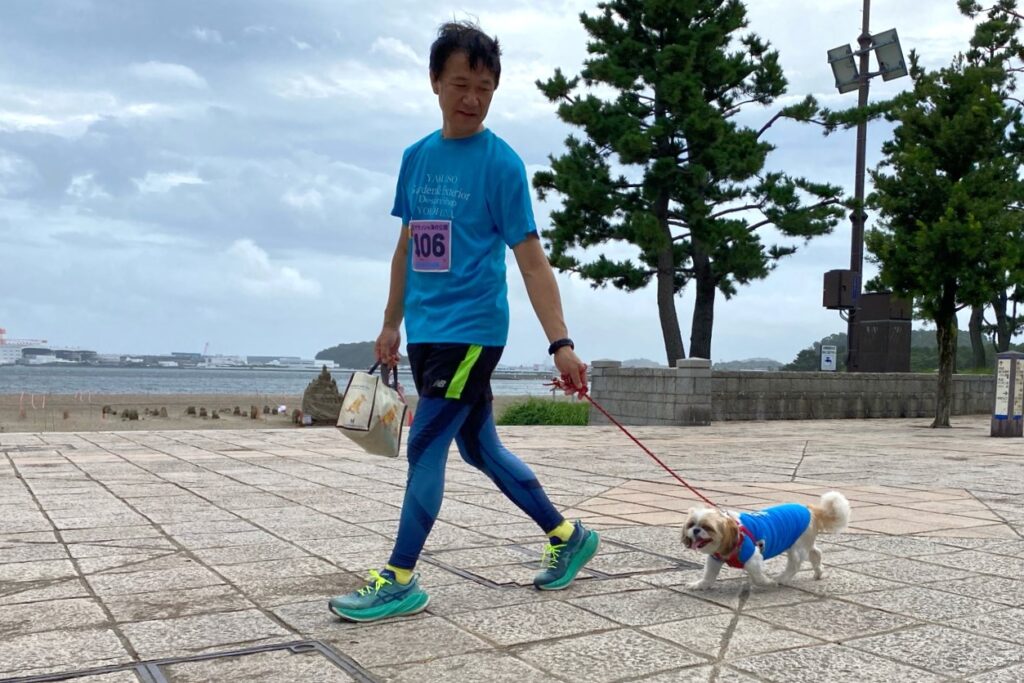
[[223, 362], [9, 355], [289, 363], [76, 355], [40, 359]]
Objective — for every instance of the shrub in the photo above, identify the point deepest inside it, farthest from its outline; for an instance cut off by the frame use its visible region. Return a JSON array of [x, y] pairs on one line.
[[539, 411]]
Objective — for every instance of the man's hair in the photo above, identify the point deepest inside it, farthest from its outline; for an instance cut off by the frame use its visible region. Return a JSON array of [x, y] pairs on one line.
[[467, 37]]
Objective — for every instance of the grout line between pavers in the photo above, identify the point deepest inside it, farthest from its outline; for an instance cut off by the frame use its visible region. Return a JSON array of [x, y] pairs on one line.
[[996, 513], [181, 548], [114, 626], [270, 614], [803, 454]]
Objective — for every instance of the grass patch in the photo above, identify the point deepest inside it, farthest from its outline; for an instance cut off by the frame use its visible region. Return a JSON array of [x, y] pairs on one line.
[[540, 411]]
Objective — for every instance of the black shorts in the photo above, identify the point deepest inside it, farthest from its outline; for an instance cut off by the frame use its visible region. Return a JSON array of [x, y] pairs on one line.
[[460, 372]]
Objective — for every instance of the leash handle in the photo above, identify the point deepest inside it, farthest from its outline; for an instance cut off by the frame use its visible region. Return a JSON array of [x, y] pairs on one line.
[[583, 393], [385, 370]]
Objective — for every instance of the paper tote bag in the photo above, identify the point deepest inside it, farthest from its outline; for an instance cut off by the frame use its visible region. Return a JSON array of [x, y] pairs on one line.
[[373, 412]]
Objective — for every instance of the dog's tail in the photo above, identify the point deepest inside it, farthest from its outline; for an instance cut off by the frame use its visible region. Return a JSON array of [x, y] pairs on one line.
[[833, 514]]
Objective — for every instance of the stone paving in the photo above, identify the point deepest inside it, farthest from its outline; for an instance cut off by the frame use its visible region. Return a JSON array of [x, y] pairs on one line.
[[158, 556]]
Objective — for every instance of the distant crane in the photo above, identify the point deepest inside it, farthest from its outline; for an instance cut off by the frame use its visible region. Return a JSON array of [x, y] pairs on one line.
[[18, 342]]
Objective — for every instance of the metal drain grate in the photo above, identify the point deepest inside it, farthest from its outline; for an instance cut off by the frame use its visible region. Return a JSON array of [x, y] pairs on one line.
[[153, 671]]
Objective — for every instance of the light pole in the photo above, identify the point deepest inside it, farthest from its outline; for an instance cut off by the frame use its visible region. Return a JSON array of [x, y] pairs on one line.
[[852, 76]]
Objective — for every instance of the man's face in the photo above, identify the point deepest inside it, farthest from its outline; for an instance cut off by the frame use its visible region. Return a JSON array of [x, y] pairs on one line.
[[464, 95]]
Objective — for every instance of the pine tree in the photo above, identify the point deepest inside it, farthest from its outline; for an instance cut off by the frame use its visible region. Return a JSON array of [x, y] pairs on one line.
[[665, 167], [947, 178], [997, 43]]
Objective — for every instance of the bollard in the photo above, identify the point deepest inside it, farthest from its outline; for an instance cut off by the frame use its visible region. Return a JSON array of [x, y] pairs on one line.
[[1008, 415]]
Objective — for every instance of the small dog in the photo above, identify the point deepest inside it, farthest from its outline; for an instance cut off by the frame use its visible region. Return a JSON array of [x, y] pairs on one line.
[[747, 539]]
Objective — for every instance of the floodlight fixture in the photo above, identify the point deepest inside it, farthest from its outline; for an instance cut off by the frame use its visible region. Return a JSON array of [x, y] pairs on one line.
[[890, 55], [844, 68]]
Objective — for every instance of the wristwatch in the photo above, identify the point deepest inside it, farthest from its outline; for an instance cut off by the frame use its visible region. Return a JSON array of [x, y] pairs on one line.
[[559, 343]]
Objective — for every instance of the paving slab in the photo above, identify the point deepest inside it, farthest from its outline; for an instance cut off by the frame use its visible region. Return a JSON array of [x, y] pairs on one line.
[[123, 547], [478, 667], [264, 666], [943, 650], [196, 634], [609, 656]]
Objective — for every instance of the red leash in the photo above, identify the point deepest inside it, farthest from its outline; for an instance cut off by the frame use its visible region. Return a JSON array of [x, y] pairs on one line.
[[561, 384]]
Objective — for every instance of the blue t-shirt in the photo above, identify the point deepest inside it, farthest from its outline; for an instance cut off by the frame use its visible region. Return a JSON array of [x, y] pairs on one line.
[[465, 200], [777, 526]]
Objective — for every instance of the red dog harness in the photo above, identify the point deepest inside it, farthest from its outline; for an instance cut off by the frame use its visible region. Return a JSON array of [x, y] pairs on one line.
[[733, 559]]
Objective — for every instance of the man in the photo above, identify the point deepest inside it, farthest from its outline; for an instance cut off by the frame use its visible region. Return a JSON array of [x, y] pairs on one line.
[[463, 197]]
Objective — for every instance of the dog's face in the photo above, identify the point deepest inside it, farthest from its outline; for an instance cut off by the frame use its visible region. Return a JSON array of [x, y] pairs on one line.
[[710, 531]]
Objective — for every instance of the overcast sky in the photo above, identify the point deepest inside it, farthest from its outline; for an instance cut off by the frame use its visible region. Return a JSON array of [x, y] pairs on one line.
[[222, 171]]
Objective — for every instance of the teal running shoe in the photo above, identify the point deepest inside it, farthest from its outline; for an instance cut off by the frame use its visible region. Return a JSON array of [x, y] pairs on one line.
[[563, 561], [382, 598]]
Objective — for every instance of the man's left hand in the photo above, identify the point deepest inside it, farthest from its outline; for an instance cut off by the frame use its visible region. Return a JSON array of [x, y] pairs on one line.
[[572, 370]]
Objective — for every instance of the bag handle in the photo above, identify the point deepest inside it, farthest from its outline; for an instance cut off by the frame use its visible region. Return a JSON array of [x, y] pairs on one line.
[[384, 374]]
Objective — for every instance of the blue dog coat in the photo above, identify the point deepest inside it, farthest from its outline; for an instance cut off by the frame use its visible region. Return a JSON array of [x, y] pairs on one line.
[[776, 527]]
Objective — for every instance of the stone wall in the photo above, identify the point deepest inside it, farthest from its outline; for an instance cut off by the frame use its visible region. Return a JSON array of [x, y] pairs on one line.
[[693, 394], [653, 396], [833, 395]]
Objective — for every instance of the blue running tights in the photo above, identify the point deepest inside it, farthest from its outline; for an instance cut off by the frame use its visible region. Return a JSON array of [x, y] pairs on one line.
[[437, 422]]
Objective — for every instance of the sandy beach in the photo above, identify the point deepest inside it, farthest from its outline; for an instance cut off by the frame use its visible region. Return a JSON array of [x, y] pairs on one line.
[[84, 412]]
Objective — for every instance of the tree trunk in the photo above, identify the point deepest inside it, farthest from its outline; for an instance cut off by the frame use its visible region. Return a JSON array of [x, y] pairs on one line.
[[1003, 323], [667, 287], [704, 306], [667, 307], [946, 334], [977, 339]]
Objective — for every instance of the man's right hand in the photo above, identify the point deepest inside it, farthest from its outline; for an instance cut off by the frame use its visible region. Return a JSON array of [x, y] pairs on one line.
[[388, 342]]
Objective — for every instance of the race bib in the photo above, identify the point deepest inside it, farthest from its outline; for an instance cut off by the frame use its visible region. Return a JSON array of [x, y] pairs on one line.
[[431, 246]]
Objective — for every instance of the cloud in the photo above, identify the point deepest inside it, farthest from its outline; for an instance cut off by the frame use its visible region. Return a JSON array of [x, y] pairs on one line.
[[259, 276], [207, 35], [69, 112], [358, 85], [258, 30], [304, 199], [172, 74], [17, 174], [165, 182], [85, 187], [396, 49]]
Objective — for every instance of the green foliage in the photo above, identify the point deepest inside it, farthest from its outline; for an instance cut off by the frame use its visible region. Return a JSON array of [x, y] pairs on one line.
[[927, 359], [809, 359], [539, 411], [664, 166], [358, 355], [997, 44], [944, 187], [946, 191], [924, 353]]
